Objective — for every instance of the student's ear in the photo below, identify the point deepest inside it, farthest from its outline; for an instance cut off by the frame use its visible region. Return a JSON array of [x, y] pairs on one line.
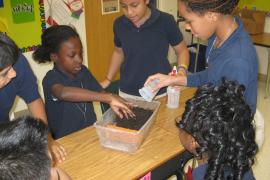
[[53, 57], [212, 16], [193, 145]]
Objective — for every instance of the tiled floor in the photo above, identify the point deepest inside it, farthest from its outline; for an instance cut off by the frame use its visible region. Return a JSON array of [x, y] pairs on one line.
[[261, 167]]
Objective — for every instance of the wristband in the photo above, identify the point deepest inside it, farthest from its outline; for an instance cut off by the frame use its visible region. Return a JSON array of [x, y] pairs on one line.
[[108, 79], [182, 67]]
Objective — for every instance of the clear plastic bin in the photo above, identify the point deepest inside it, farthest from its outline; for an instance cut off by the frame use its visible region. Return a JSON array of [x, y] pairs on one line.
[[121, 138]]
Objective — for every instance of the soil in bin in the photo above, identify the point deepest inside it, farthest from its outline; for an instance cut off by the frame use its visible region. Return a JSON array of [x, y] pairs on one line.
[[135, 123]]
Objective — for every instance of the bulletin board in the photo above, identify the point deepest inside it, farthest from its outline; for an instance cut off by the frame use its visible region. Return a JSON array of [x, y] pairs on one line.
[[23, 21], [262, 5]]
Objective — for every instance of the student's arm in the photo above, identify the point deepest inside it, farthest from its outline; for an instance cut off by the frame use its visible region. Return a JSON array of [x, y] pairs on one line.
[[167, 80], [116, 61], [198, 78], [37, 109], [74, 94], [59, 174], [182, 53]]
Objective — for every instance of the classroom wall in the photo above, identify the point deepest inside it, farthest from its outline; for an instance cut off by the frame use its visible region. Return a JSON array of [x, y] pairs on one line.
[[262, 5], [41, 69]]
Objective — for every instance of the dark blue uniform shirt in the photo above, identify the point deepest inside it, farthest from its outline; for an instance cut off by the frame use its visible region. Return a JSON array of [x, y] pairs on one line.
[[23, 85], [66, 117], [236, 60], [145, 48]]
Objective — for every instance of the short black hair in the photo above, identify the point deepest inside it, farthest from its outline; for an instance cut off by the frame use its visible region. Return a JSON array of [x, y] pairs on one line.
[[221, 122], [9, 51], [51, 41], [24, 150], [219, 6]]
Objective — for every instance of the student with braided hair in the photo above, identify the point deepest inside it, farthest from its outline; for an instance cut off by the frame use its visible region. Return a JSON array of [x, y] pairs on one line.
[[217, 128], [70, 88], [230, 52]]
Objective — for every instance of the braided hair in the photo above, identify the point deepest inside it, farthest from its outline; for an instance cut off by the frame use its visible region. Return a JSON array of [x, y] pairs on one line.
[[219, 6], [221, 122], [51, 41]]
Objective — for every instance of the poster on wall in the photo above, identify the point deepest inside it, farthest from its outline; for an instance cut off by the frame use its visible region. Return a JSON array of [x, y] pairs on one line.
[[22, 12], [109, 6], [24, 22], [63, 12]]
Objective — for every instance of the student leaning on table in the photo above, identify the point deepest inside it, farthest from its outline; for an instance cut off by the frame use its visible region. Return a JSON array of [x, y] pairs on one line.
[[142, 37], [230, 52], [69, 88], [24, 151], [17, 79], [217, 127]]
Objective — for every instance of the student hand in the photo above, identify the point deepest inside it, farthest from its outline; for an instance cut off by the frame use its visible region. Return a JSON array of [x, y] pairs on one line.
[[121, 107], [58, 152], [57, 173], [182, 72], [105, 83], [164, 80], [167, 80]]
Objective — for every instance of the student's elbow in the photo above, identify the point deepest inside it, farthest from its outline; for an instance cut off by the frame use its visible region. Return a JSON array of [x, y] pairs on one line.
[[58, 91]]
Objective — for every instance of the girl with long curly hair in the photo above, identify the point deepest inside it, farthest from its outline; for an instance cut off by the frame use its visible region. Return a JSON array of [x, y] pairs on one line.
[[217, 128]]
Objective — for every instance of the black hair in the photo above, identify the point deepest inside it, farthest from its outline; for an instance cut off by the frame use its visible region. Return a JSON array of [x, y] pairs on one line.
[[24, 150], [51, 41], [9, 51], [221, 122], [152, 4], [219, 6]]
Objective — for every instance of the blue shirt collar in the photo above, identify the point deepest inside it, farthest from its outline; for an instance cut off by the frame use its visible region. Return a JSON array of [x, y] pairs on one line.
[[78, 77], [232, 37], [153, 18]]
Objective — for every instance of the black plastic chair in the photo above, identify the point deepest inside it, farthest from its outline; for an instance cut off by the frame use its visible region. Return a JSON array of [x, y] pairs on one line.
[[173, 167]]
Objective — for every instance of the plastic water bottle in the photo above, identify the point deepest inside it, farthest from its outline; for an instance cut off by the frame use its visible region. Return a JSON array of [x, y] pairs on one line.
[[173, 96], [146, 91]]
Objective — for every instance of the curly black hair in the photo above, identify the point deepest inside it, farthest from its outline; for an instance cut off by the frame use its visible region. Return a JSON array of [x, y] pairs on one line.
[[219, 6], [51, 41], [221, 122]]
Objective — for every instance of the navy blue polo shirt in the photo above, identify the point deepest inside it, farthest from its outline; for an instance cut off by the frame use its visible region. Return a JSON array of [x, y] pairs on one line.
[[145, 48], [66, 117], [236, 60], [23, 85]]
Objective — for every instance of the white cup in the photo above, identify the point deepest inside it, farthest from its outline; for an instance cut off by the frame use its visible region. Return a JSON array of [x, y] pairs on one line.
[[173, 96], [146, 91]]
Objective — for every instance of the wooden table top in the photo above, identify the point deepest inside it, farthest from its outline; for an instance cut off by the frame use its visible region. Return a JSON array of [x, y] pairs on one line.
[[262, 39], [87, 159]]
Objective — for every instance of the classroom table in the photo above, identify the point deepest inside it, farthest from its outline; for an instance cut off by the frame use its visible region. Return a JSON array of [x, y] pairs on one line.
[[87, 159], [263, 40]]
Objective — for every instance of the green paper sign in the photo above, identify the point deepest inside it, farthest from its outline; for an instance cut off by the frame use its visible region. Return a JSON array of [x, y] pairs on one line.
[[22, 11]]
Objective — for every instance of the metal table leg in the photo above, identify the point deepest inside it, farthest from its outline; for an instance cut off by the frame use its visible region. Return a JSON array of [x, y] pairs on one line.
[[197, 55], [267, 75]]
